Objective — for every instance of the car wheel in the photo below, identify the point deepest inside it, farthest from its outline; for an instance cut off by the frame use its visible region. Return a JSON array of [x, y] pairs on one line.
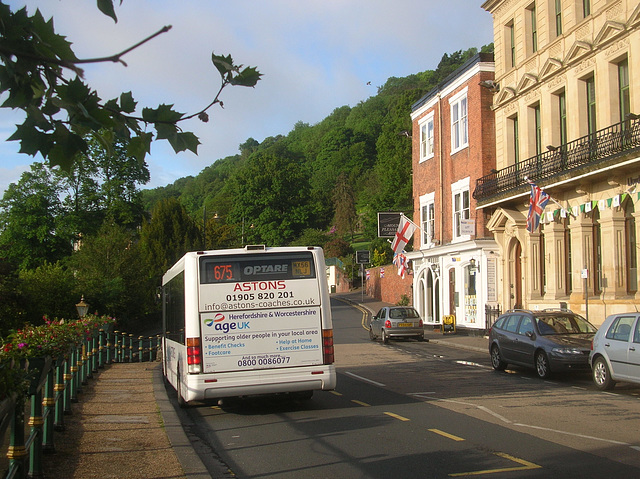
[[372, 336], [496, 359], [385, 338], [601, 374], [542, 365], [421, 337]]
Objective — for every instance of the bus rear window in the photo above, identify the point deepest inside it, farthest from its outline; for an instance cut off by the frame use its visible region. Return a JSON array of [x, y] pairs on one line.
[[256, 267]]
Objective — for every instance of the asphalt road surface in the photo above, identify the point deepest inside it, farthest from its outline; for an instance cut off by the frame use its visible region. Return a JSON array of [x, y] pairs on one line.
[[417, 409]]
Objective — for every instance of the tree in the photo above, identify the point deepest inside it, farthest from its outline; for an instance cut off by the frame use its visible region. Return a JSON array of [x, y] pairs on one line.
[[35, 65], [344, 206], [49, 289], [30, 214], [167, 236], [109, 271], [273, 196]]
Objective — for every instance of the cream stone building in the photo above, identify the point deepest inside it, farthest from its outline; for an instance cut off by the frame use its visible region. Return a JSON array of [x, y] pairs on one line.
[[566, 98]]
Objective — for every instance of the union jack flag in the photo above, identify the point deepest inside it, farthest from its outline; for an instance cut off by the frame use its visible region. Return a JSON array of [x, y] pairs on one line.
[[401, 262], [537, 202]]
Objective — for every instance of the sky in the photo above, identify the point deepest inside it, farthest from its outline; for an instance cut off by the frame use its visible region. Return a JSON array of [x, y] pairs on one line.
[[315, 56]]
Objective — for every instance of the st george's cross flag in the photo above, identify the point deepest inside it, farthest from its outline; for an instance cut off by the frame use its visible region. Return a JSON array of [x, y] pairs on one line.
[[406, 227], [537, 202]]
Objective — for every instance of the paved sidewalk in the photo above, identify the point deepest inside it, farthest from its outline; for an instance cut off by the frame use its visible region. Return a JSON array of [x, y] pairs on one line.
[[124, 425]]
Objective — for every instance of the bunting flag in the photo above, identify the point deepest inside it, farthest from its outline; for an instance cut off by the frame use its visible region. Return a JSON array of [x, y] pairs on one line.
[[401, 262], [406, 227], [368, 275], [382, 272], [537, 202]]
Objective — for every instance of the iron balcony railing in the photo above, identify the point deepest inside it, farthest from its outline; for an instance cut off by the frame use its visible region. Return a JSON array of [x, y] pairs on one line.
[[603, 145]]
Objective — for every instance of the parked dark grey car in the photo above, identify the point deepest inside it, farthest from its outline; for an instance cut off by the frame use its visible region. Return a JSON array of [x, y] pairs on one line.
[[546, 340], [396, 322]]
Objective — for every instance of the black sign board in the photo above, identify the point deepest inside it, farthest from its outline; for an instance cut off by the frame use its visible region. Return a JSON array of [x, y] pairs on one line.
[[388, 224], [363, 257]]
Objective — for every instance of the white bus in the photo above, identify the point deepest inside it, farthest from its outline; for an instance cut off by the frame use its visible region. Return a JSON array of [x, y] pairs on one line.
[[248, 321]]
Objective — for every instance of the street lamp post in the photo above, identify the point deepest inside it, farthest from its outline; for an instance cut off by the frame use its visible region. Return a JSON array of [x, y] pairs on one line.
[[82, 307]]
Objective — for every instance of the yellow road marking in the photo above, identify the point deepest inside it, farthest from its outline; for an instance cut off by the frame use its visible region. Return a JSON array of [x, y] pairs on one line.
[[336, 393], [360, 403], [397, 416], [446, 434], [526, 465], [365, 312]]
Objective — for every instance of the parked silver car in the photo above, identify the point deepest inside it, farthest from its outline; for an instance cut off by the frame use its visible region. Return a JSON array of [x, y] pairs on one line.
[[615, 351], [546, 340], [396, 322]]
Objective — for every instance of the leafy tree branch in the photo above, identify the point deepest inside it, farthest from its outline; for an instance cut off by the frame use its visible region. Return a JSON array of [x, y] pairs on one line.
[[61, 113]]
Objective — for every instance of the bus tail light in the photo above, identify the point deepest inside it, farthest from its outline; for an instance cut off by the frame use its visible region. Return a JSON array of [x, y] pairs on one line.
[[327, 346], [194, 355]]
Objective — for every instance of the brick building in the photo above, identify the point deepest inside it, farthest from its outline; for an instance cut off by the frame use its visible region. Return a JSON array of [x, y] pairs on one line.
[[453, 143]]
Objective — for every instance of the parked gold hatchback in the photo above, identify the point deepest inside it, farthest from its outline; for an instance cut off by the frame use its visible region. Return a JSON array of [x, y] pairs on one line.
[[396, 322]]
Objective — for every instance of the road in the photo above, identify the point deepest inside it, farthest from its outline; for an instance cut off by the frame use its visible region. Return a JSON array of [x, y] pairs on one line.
[[417, 409]]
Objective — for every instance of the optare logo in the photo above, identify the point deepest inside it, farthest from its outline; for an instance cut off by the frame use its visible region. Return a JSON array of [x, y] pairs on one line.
[[216, 319]]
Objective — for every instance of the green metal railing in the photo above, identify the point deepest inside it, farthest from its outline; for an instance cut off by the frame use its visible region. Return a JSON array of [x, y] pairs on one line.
[[54, 385]]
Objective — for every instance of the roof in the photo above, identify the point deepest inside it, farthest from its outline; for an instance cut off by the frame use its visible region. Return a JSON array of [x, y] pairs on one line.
[[477, 58]]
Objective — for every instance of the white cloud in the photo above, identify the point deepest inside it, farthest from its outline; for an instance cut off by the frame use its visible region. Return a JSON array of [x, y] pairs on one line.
[[316, 55]]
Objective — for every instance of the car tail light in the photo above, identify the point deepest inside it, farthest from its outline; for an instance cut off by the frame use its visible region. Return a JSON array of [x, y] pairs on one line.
[[592, 345], [420, 324], [327, 346], [194, 355], [387, 324]]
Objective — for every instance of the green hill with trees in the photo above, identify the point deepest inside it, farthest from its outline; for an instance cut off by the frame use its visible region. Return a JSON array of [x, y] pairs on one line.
[[92, 231]]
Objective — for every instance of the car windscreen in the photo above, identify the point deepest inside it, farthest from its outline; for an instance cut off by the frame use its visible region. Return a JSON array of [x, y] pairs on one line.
[[397, 313], [563, 324]]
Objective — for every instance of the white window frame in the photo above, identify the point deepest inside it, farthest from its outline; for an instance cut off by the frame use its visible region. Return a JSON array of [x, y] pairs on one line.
[[459, 108], [458, 190], [428, 223], [426, 137]]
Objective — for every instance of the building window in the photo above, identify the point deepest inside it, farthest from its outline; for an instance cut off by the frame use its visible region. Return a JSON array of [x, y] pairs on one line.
[[623, 89], [558, 17], [535, 119], [470, 295], [459, 123], [510, 43], [428, 218], [460, 211], [591, 105], [426, 138], [562, 115], [586, 8], [514, 139], [532, 28], [567, 257], [543, 265], [597, 253], [631, 247]]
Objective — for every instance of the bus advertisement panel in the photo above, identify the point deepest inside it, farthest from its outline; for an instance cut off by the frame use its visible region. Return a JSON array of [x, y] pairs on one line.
[[262, 339], [260, 312]]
